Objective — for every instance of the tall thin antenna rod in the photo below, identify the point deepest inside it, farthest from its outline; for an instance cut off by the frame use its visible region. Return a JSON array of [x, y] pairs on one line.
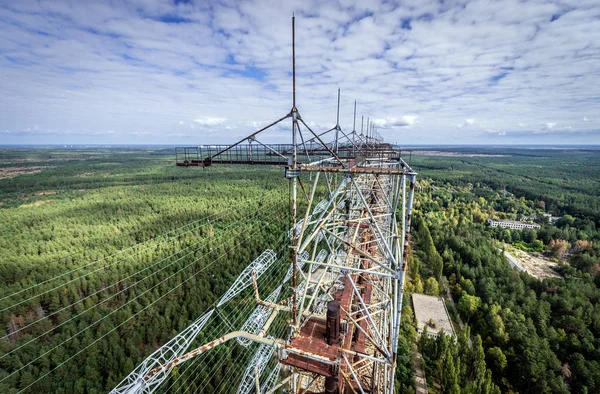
[[362, 124], [354, 129], [354, 124], [294, 179], [337, 122], [293, 62]]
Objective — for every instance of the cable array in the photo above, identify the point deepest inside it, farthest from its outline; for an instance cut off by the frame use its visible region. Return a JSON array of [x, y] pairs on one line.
[[220, 216], [207, 360], [136, 314], [225, 324], [107, 299], [199, 243], [116, 327]]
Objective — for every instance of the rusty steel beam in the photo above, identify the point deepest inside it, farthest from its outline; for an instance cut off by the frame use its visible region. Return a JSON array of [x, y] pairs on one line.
[[357, 170]]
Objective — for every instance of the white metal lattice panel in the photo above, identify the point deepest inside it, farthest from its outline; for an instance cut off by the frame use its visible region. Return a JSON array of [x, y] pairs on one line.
[[271, 379], [320, 207], [259, 266], [333, 241], [255, 367], [299, 224], [320, 236], [344, 183], [319, 259], [134, 383]]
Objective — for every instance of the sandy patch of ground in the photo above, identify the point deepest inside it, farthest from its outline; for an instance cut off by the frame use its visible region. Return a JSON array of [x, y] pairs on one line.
[[534, 264], [13, 172], [449, 154], [45, 193], [34, 204]]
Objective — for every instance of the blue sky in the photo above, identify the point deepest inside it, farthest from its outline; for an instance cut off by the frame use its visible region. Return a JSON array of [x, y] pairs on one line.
[[191, 72]]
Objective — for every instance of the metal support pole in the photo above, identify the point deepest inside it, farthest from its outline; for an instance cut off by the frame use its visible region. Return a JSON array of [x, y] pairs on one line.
[[354, 131], [294, 179], [337, 125], [406, 232]]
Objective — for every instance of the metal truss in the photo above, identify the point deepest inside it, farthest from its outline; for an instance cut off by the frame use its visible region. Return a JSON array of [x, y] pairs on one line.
[[347, 268], [364, 271], [258, 267], [135, 382], [357, 267]]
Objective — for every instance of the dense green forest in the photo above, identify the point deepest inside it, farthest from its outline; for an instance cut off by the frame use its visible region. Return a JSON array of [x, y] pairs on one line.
[[566, 180], [527, 335], [105, 254]]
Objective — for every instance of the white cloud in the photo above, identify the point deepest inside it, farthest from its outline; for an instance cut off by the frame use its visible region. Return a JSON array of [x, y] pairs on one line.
[[209, 121], [466, 123], [555, 128], [80, 68], [256, 124], [403, 121]]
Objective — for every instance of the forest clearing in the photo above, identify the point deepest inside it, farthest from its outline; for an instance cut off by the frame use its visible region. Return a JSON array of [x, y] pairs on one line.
[[535, 265]]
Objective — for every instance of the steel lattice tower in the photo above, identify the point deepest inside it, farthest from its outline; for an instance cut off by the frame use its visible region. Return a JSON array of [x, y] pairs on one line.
[[347, 268]]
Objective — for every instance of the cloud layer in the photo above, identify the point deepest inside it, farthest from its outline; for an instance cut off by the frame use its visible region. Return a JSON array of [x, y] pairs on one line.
[[194, 72]]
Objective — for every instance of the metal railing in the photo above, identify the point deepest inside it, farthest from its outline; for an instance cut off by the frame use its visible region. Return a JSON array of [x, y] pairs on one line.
[[280, 154]]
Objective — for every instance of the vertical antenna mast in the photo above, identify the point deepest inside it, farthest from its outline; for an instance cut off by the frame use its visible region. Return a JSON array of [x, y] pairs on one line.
[[354, 128], [354, 122], [293, 63], [294, 179], [337, 124]]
